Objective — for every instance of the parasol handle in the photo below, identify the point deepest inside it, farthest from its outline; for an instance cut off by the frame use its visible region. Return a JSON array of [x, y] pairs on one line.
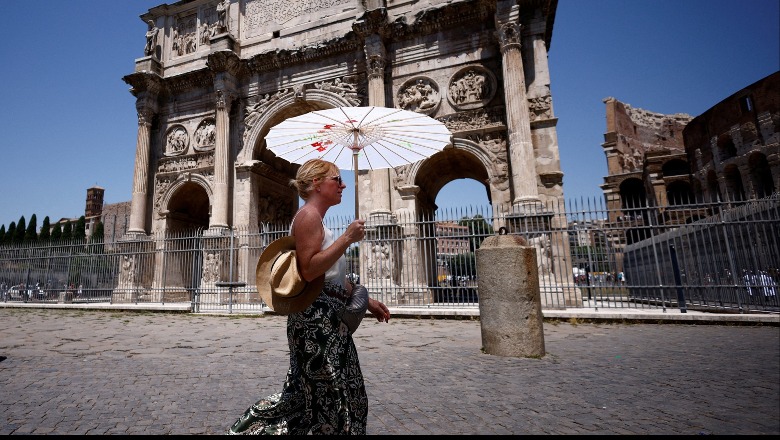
[[355, 168]]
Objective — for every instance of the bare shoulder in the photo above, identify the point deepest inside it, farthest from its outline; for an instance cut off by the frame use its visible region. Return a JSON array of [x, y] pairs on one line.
[[307, 222]]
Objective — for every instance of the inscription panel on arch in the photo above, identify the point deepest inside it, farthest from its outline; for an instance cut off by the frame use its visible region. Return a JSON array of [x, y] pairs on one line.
[[265, 16]]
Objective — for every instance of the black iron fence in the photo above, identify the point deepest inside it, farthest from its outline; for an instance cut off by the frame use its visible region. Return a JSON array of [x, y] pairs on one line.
[[713, 256]]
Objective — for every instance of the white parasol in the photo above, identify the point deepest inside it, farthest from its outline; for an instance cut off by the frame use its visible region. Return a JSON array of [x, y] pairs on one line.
[[358, 138]]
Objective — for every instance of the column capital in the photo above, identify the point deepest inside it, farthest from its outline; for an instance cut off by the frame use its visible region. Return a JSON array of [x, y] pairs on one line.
[[144, 83], [372, 22], [509, 35], [376, 56], [225, 61], [145, 116], [224, 98]]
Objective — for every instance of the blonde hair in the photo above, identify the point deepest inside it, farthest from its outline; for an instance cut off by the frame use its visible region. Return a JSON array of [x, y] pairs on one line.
[[310, 170]]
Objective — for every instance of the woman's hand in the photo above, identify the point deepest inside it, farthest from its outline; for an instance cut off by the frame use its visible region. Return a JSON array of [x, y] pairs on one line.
[[355, 231], [379, 310]]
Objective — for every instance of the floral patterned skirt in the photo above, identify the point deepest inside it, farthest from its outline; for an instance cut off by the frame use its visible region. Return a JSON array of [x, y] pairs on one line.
[[324, 391]]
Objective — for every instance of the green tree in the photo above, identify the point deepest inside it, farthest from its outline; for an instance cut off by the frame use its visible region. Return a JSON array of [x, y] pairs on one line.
[[80, 231], [67, 231], [9, 235], [96, 238], [21, 229], [56, 232], [463, 265], [31, 234], [2, 234], [45, 234]]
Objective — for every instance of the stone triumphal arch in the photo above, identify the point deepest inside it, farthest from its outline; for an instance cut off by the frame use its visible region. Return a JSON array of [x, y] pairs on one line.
[[209, 89]]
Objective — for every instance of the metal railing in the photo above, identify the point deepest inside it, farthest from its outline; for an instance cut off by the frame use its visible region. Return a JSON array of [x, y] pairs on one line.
[[713, 256]]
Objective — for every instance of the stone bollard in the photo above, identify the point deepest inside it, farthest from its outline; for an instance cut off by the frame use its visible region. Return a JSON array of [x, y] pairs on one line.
[[65, 297], [510, 309]]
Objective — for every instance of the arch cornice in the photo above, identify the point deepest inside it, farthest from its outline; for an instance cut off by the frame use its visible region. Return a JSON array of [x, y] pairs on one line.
[[314, 98]]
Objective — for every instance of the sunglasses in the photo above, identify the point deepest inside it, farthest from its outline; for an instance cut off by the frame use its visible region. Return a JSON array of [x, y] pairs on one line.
[[337, 179]]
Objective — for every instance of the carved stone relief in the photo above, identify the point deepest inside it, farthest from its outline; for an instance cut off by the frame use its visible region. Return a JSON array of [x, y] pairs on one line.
[[419, 94], [346, 88], [473, 120], [205, 33], [495, 145], [400, 176], [471, 87], [185, 163], [543, 253], [261, 14], [273, 209], [212, 263], [379, 264], [127, 272], [184, 38], [176, 141], [541, 107], [160, 189], [254, 111], [206, 135]]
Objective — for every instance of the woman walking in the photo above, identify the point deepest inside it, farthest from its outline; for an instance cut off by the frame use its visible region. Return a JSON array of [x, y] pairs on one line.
[[324, 392]]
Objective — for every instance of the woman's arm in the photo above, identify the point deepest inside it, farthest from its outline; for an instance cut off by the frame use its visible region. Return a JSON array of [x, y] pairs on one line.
[[313, 262]]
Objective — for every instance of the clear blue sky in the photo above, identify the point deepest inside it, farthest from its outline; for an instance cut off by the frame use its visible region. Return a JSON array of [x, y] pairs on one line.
[[69, 122]]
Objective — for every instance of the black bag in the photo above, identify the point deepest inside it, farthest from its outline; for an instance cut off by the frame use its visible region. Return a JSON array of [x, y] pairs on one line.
[[357, 304]]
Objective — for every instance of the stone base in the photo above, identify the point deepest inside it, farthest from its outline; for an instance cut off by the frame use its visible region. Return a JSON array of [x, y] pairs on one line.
[[222, 41], [148, 64], [393, 294]]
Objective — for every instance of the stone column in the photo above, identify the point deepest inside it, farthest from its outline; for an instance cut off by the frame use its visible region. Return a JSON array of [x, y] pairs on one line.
[[376, 57], [225, 65], [138, 203], [219, 209], [521, 152]]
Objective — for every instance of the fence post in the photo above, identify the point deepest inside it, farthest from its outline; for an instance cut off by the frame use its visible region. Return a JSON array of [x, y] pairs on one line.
[[678, 280]]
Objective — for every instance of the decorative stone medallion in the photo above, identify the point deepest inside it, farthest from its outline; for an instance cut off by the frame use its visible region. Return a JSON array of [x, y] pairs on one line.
[[419, 94], [176, 141], [206, 135], [471, 87]]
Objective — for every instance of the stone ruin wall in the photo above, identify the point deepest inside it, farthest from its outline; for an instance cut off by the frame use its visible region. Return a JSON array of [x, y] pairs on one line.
[[638, 132]]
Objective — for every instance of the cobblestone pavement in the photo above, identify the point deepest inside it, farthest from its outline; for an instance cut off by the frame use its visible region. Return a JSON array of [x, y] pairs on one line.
[[115, 372]]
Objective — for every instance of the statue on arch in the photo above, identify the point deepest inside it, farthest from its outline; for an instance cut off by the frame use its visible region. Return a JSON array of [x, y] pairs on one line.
[[223, 8], [151, 38]]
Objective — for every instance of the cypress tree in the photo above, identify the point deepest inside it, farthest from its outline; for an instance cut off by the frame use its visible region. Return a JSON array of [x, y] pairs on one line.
[[56, 233], [67, 231], [2, 234], [9, 235], [21, 229], [45, 234], [80, 231], [96, 239], [31, 234]]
